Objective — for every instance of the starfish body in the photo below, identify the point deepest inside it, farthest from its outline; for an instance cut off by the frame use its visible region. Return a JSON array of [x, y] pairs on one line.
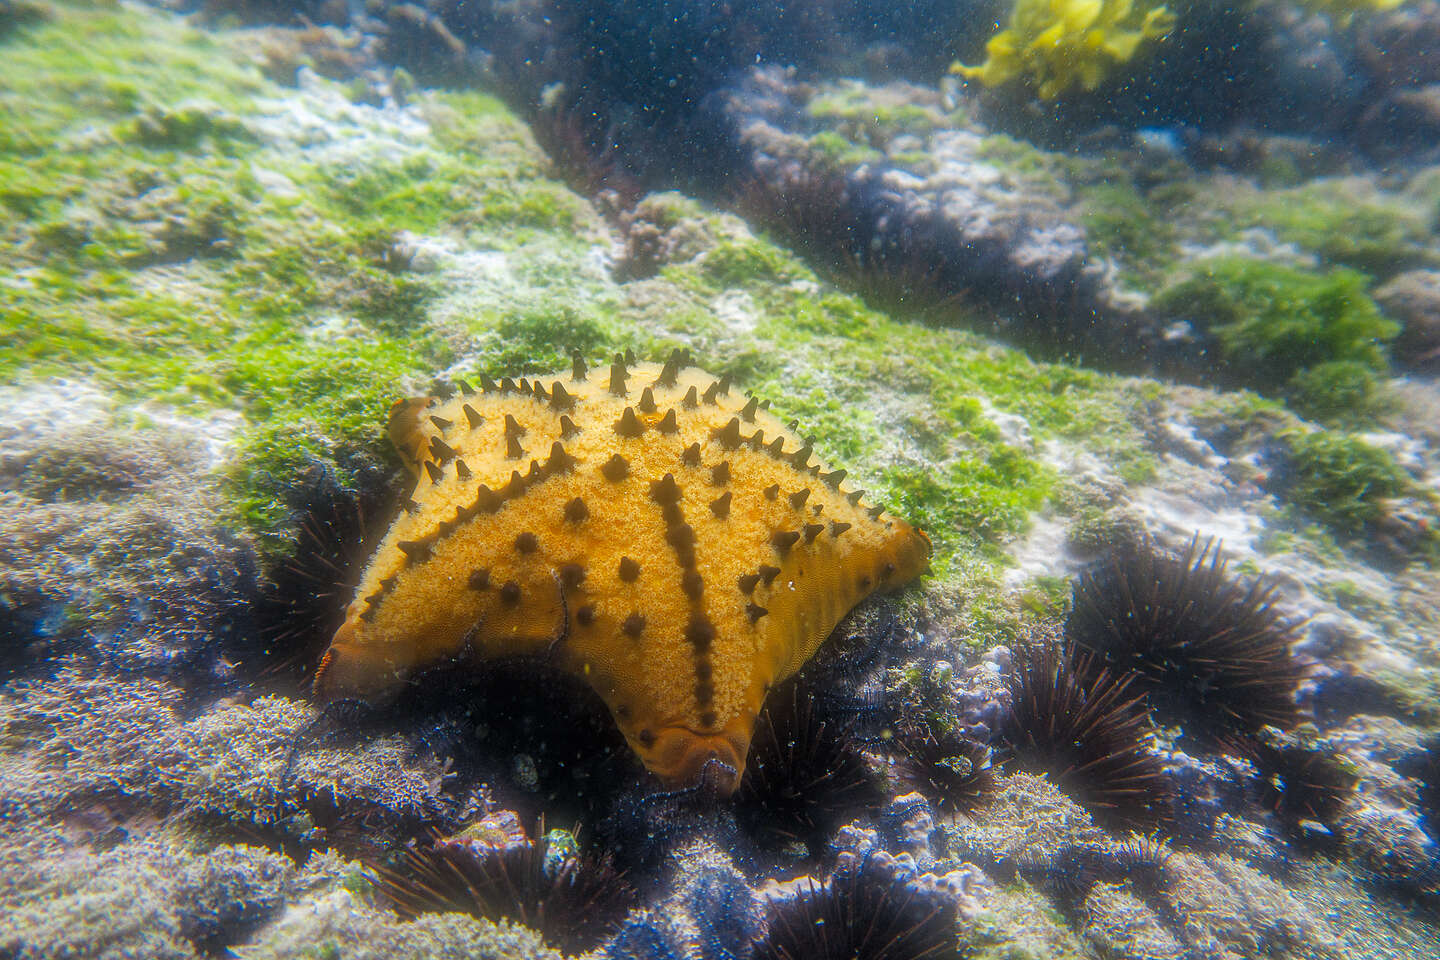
[[672, 543]]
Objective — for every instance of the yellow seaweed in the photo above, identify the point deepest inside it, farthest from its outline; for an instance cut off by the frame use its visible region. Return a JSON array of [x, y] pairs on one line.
[[1060, 44]]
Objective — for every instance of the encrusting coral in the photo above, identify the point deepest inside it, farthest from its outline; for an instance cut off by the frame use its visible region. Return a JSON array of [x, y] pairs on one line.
[[1059, 44], [677, 549]]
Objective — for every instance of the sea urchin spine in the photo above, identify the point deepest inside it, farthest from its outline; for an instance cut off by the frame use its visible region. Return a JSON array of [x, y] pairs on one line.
[[571, 900], [1212, 653], [805, 774], [858, 914], [1077, 724], [953, 770]]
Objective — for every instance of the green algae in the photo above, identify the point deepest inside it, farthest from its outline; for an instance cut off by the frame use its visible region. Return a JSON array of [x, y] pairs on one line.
[[165, 257], [1344, 393], [1343, 222], [1342, 480], [1020, 157], [867, 118], [290, 297], [1316, 337], [104, 65], [830, 151], [1133, 229]]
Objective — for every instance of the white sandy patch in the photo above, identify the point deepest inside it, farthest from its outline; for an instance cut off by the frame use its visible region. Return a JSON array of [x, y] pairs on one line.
[[735, 309], [320, 121]]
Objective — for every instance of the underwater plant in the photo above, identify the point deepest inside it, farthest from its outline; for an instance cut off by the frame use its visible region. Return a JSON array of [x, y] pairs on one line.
[[1338, 393], [1079, 724], [1272, 323], [1056, 45], [571, 899], [1341, 480], [804, 775], [1210, 652]]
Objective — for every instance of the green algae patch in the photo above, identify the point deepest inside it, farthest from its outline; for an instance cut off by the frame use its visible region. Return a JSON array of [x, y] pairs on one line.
[[1342, 480], [179, 240], [89, 68], [986, 497], [312, 400], [1281, 327], [1133, 229], [859, 122], [1344, 221]]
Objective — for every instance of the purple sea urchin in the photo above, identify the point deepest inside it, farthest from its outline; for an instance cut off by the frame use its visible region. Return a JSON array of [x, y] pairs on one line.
[[573, 901], [1298, 781], [1210, 652], [1078, 724], [805, 774], [954, 771], [858, 914]]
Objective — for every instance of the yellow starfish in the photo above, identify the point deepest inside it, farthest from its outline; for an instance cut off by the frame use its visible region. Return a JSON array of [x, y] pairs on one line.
[[670, 542]]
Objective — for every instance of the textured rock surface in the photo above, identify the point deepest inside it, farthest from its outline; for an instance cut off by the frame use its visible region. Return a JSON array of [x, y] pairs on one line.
[[1413, 298]]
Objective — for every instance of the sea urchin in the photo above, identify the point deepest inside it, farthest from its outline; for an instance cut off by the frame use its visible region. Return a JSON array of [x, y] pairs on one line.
[[1211, 653], [573, 901], [858, 914], [805, 774], [953, 770], [1079, 725]]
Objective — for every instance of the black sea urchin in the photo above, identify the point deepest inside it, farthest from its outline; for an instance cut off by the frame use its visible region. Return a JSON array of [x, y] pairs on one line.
[[1298, 781], [305, 597], [1211, 653], [805, 774], [1072, 870], [858, 915], [1423, 766], [954, 771], [573, 901], [1080, 726]]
